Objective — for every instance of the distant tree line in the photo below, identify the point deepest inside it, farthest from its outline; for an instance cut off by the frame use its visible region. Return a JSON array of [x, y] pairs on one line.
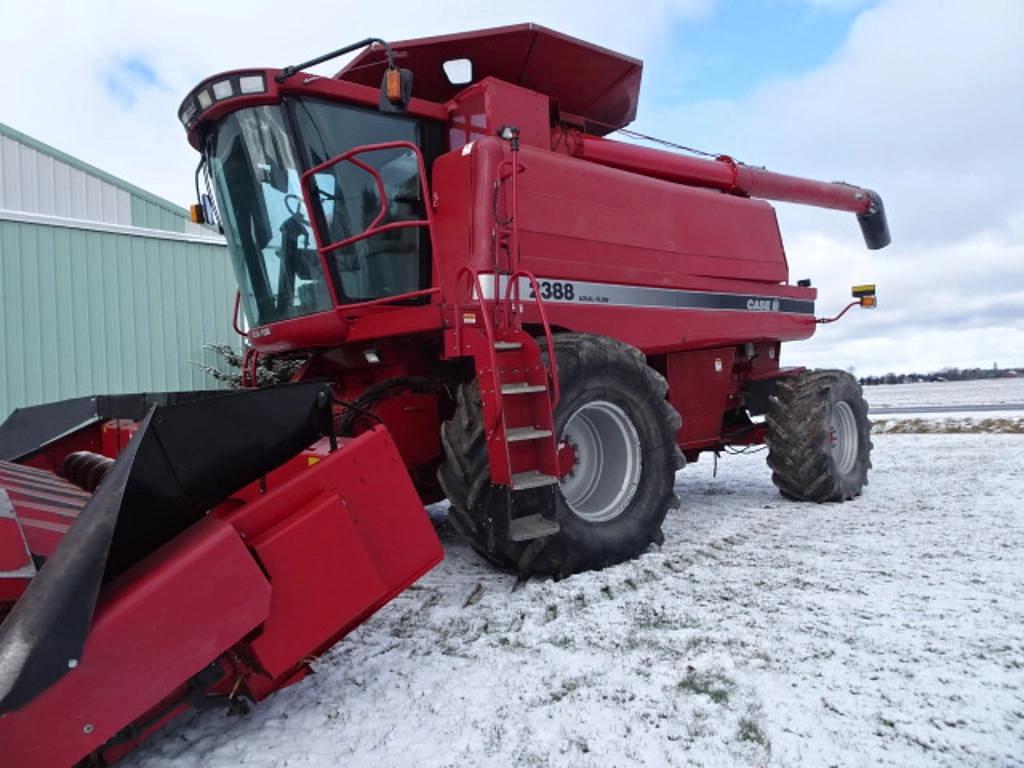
[[946, 374]]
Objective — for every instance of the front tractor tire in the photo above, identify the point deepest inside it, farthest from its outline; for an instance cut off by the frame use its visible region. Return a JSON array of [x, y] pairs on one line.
[[819, 437], [610, 508]]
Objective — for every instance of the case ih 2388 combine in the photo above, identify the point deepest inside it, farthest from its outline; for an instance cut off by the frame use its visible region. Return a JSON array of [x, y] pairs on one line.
[[500, 306]]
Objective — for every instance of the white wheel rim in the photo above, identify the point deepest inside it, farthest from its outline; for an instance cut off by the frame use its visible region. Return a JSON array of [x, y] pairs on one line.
[[843, 437], [607, 461]]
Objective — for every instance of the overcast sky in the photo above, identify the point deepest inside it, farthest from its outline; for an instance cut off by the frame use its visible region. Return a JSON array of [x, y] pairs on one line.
[[920, 100]]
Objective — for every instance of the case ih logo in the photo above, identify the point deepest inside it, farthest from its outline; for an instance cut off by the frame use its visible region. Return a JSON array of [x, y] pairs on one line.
[[763, 305]]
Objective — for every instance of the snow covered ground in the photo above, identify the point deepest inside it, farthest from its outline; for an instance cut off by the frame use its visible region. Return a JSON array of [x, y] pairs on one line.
[[998, 392], [887, 631], [989, 391]]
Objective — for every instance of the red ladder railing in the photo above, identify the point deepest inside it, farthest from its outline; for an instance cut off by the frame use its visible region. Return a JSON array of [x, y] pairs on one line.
[[513, 372]]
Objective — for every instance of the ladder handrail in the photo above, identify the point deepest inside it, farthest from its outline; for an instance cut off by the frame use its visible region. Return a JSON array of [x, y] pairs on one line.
[[512, 294], [474, 284], [499, 316]]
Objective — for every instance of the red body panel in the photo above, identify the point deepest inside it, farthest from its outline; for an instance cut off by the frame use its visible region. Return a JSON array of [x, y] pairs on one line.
[[587, 81], [158, 625], [699, 387], [587, 222], [309, 555], [581, 221], [483, 108], [275, 575], [333, 551], [14, 553]]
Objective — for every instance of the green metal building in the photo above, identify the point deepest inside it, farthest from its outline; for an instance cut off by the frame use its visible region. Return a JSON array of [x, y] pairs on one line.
[[104, 287]]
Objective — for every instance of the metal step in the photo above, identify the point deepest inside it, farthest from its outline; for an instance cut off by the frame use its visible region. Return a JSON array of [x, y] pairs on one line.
[[505, 346], [521, 481], [522, 388], [515, 434], [532, 527]]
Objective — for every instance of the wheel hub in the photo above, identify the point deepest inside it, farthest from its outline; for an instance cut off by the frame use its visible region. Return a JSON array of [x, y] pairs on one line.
[[606, 461], [566, 459], [842, 437]]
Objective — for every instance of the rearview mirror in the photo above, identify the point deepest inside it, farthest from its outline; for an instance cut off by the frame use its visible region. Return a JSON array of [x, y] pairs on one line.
[[395, 90]]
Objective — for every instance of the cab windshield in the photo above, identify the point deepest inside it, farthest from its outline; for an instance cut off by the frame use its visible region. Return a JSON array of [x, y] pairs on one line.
[[256, 169], [256, 177]]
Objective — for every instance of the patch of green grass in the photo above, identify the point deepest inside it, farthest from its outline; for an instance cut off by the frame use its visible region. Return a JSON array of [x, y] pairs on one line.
[[947, 426], [580, 744], [750, 730], [567, 687], [714, 685]]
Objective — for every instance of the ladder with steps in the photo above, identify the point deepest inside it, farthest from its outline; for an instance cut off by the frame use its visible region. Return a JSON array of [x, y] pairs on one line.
[[518, 393]]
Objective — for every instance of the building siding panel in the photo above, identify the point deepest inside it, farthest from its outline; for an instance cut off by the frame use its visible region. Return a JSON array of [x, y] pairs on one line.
[[35, 182], [36, 178], [88, 312], [148, 215], [9, 173]]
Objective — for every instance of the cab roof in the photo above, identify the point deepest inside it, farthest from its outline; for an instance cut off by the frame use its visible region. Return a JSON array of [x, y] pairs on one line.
[[587, 81]]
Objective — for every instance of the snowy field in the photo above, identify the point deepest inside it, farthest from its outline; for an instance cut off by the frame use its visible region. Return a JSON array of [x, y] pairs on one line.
[[948, 394], [990, 391], [888, 631]]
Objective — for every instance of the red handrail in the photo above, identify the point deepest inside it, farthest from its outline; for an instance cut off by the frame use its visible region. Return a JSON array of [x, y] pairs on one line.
[[324, 248], [338, 244], [512, 294], [474, 283], [381, 190]]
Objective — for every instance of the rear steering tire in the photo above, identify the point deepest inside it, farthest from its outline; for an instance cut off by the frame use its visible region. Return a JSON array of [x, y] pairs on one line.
[[819, 437], [613, 413]]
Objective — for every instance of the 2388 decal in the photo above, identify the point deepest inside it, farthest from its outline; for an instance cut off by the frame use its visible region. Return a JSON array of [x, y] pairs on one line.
[[555, 290]]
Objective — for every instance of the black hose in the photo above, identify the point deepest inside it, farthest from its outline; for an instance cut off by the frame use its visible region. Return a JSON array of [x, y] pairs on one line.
[[380, 391]]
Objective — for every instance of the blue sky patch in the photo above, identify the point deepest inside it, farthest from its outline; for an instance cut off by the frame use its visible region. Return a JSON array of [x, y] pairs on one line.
[[741, 44], [126, 77]]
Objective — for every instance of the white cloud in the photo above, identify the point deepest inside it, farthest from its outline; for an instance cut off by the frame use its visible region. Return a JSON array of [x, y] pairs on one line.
[[958, 304], [920, 103], [60, 57]]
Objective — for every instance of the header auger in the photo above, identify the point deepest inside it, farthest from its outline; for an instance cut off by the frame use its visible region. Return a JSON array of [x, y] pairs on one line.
[[497, 304]]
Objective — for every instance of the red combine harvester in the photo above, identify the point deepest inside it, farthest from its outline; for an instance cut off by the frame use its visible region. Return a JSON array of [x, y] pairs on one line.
[[496, 304]]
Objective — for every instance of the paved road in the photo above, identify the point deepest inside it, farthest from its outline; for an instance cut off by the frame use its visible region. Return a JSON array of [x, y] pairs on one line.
[[968, 408]]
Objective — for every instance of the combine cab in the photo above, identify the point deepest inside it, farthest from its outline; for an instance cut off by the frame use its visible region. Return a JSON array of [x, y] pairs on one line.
[[496, 303]]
